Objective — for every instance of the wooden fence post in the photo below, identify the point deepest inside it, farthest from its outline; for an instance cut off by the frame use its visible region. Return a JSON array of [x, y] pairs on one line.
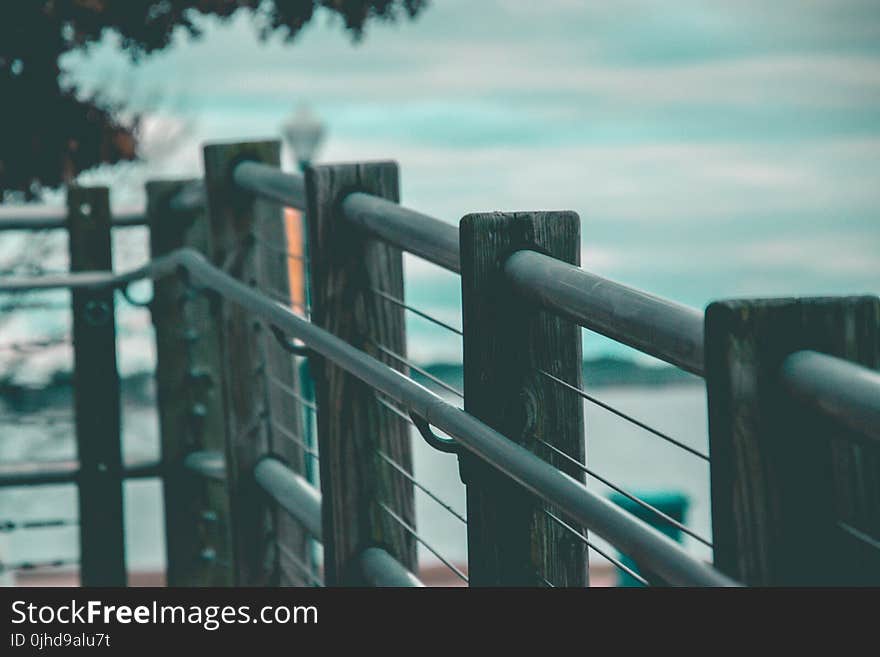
[[96, 394], [346, 267], [780, 474], [189, 383], [507, 343], [258, 415]]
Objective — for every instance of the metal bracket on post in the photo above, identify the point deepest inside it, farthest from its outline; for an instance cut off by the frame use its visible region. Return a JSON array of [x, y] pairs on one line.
[[289, 345], [445, 445]]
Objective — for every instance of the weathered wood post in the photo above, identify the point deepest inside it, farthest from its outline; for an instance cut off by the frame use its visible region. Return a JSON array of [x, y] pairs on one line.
[[255, 411], [507, 343], [189, 385], [346, 266], [96, 393], [779, 472]]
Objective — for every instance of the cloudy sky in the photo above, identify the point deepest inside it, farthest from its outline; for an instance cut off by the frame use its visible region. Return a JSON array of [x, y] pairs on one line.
[[712, 149]]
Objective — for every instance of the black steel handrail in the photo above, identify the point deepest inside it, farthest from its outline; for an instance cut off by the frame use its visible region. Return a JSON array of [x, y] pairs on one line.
[[632, 536]]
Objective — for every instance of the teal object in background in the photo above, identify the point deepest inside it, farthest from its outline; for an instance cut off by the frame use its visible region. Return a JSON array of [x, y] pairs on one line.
[[672, 503]]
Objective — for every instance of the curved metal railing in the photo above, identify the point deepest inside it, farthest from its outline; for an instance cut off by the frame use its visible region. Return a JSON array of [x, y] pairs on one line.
[[658, 327], [631, 535]]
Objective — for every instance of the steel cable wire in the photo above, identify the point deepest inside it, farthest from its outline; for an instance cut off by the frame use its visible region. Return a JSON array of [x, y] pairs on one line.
[[624, 416]]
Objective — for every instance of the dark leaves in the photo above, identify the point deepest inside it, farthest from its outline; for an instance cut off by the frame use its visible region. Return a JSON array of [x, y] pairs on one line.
[[48, 134]]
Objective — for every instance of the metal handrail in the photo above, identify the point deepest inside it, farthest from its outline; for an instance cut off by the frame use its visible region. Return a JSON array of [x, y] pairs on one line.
[[291, 492], [64, 472], [661, 328], [271, 183], [47, 218], [842, 390], [71, 281], [303, 502], [25, 217], [189, 198], [658, 327], [380, 569], [629, 534], [206, 463], [417, 233], [429, 238]]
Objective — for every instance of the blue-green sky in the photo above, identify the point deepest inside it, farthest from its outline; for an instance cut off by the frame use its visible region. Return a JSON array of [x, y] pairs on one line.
[[712, 149]]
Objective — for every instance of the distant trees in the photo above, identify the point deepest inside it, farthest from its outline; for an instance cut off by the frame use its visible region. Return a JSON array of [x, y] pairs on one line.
[[49, 132]]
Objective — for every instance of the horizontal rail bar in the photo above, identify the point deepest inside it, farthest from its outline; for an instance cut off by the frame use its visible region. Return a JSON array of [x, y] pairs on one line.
[[37, 565], [630, 535], [206, 463], [72, 281], [429, 238], [412, 231], [143, 470], [38, 474], [381, 570], [63, 472], [292, 493], [271, 183], [667, 330], [189, 198], [24, 525], [45, 218], [303, 502], [844, 391], [659, 327]]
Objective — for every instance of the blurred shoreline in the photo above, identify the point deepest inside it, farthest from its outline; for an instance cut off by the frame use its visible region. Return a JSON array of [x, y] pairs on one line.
[[138, 387]]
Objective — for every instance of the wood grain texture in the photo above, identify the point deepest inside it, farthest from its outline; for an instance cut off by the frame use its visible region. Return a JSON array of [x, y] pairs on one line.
[[233, 216], [511, 542], [189, 387], [96, 394], [345, 263], [783, 479]]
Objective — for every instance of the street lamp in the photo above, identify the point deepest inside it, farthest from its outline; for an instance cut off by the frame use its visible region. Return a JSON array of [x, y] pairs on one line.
[[303, 133]]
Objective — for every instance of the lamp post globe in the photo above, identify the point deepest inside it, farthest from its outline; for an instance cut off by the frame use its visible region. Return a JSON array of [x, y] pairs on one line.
[[303, 133]]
